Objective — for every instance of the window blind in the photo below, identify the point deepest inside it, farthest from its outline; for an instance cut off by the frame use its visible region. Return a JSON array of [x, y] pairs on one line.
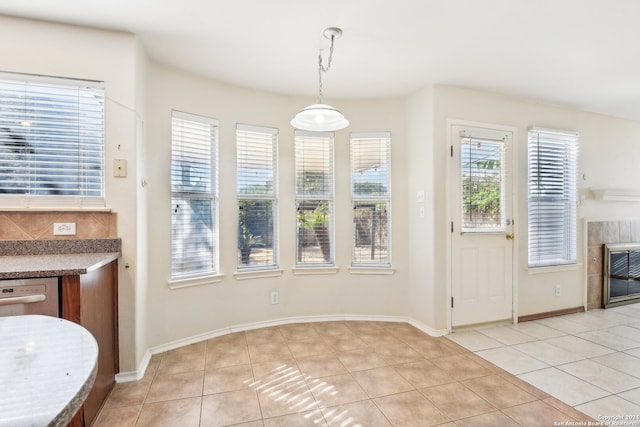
[[314, 197], [193, 195], [552, 197], [256, 149], [371, 198], [51, 141]]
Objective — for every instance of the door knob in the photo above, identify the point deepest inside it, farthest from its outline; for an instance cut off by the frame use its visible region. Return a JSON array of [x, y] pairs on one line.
[[510, 236]]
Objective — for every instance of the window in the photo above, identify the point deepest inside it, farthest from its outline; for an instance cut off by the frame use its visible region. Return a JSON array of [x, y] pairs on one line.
[[483, 177], [371, 199], [194, 237], [256, 151], [552, 178], [51, 141], [314, 198]]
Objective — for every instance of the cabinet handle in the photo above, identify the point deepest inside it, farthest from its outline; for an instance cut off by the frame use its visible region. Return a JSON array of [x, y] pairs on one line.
[[22, 300]]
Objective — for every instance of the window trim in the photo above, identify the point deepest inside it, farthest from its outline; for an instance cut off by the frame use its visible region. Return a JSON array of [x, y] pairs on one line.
[[62, 202], [261, 270], [208, 276], [369, 267], [571, 184], [316, 268]]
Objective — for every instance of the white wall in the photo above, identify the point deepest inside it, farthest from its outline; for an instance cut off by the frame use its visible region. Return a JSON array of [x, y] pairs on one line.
[[423, 288], [139, 310], [608, 157], [67, 51], [181, 313], [140, 97]]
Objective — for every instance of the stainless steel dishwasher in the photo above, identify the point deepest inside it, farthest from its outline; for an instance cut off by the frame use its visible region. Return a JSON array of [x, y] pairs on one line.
[[30, 296]]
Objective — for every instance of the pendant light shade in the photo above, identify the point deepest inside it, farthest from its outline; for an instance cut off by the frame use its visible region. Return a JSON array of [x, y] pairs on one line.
[[319, 118]]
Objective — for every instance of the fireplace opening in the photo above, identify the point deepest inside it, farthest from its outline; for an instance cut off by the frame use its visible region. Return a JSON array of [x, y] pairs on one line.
[[622, 274]]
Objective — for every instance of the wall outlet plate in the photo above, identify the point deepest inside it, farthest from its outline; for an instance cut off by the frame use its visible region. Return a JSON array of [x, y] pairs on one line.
[[64, 228], [275, 297]]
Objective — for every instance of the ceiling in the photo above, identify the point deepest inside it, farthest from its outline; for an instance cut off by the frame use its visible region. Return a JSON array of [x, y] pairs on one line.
[[580, 53]]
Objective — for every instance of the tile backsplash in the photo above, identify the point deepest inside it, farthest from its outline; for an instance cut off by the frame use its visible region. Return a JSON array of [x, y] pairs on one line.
[[39, 225]]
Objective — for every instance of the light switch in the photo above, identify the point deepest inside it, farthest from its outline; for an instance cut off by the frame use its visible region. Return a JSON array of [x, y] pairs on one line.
[[119, 168], [420, 196]]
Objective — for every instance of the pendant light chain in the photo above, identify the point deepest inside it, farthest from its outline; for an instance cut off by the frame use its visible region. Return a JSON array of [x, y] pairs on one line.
[[322, 69]]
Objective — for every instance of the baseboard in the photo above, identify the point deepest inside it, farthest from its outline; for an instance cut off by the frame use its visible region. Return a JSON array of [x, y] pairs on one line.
[[530, 317], [427, 329], [126, 377]]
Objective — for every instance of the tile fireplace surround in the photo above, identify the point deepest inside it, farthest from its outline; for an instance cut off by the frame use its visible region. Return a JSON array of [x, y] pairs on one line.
[[600, 233]]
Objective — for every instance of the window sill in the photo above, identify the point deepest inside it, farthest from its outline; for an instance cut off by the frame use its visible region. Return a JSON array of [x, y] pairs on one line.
[[372, 270], [55, 209], [195, 281], [257, 274], [302, 271], [554, 268]]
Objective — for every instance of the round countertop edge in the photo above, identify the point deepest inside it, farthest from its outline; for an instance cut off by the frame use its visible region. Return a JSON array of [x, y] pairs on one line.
[[29, 338], [68, 412]]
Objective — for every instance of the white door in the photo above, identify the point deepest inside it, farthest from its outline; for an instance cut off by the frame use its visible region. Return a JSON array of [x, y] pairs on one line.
[[481, 225]]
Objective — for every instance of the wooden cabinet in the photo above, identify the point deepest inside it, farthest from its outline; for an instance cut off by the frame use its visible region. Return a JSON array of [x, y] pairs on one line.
[[91, 300]]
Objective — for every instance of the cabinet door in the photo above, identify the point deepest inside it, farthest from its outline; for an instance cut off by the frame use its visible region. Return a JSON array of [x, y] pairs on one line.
[[91, 300]]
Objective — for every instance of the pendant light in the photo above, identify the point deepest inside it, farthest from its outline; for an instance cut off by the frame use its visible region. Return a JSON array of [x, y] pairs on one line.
[[321, 117]]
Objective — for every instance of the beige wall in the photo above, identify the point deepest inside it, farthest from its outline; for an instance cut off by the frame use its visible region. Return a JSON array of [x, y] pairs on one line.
[[67, 51], [176, 314], [424, 301], [607, 147], [140, 97]]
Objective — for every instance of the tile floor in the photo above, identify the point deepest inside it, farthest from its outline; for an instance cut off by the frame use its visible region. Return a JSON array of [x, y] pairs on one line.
[[590, 360], [351, 373]]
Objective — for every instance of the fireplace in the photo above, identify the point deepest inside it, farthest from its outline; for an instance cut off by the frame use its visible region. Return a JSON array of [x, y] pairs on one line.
[[621, 274]]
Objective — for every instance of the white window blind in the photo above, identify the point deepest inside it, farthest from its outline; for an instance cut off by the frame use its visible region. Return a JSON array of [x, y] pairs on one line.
[[314, 198], [194, 236], [51, 141], [371, 198], [552, 179], [256, 149]]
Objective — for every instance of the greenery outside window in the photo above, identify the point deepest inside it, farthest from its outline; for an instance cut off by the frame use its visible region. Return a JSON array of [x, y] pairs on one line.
[[371, 199], [256, 154], [314, 198]]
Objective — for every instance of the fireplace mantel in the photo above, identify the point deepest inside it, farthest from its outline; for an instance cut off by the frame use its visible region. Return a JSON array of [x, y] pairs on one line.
[[616, 194]]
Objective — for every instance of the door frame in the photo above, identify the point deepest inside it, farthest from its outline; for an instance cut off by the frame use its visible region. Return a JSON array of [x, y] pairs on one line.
[[518, 229]]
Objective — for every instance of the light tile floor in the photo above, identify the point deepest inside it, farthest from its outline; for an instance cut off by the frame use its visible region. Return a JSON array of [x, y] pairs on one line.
[[590, 360], [350, 373]]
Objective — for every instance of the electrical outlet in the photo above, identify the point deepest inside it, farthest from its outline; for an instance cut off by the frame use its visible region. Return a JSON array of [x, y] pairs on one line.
[[557, 290], [64, 228], [275, 297]]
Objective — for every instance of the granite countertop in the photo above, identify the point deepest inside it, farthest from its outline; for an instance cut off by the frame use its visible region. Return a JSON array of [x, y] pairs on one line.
[[46, 258], [25, 266], [47, 369]]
